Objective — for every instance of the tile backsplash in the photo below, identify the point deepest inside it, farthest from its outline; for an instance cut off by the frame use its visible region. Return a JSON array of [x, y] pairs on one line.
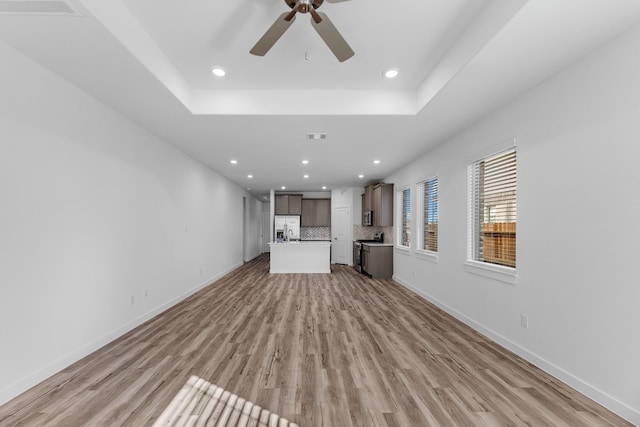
[[361, 232], [315, 233]]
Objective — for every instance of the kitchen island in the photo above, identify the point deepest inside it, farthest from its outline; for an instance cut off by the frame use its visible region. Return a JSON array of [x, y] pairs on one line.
[[300, 257]]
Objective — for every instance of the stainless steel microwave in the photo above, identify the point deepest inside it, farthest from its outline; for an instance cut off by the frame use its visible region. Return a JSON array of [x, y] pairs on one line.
[[367, 218]]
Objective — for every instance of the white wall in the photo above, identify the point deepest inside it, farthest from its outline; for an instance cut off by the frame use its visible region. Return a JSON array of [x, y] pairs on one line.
[[94, 210], [578, 137], [316, 194], [253, 239], [357, 205]]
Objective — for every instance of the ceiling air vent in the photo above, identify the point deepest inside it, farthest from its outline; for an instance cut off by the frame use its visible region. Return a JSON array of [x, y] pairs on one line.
[[316, 136], [33, 7]]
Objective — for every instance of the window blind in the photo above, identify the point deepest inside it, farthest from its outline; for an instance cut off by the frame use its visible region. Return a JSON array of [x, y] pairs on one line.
[[428, 211], [406, 218], [492, 209]]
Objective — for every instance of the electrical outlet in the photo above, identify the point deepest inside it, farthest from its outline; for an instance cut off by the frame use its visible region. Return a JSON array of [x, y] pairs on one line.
[[524, 321], [132, 299], [413, 273], [145, 294], [201, 270]]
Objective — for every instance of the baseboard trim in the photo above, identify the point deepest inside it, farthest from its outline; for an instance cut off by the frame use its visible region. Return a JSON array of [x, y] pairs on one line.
[[252, 257], [625, 411], [19, 387]]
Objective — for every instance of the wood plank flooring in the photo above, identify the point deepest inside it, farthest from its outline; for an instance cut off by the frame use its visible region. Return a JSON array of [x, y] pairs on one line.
[[318, 349]]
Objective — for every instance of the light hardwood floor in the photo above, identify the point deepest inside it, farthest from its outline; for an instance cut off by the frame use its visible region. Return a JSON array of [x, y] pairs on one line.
[[318, 349]]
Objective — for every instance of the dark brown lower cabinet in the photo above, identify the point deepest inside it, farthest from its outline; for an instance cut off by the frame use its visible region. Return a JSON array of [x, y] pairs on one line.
[[377, 261]]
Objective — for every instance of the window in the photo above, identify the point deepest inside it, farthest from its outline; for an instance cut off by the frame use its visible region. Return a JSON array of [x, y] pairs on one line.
[[492, 209], [428, 215], [405, 212]]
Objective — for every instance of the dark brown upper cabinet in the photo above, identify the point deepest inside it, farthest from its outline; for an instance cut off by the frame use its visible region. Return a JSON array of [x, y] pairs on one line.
[[378, 198], [288, 204], [316, 213], [383, 205]]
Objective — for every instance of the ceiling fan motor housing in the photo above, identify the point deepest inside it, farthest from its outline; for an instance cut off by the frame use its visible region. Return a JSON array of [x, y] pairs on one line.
[[304, 6]]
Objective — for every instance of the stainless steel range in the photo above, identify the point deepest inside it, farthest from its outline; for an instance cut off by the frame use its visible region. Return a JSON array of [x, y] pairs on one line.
[[357, 249]]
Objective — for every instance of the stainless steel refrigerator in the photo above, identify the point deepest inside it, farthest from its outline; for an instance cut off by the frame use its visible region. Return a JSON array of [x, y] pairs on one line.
[[287, 226]]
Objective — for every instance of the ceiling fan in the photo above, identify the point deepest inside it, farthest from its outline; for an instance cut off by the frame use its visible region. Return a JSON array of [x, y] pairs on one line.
[[319, 21]]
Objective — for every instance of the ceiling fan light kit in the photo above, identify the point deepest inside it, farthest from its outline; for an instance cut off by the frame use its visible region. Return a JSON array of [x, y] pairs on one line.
[[320, 22]]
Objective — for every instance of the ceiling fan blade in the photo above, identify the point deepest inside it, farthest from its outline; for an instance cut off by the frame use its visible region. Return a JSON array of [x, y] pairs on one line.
[[273, 34], [332, 38]]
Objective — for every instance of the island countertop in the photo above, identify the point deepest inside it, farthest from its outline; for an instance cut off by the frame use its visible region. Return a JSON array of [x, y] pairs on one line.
[[302, 242], [377, 244]]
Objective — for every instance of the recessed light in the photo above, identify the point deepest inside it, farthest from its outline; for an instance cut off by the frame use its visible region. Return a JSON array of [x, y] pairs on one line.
[[324, 187], [233, 162], [376, 162], [218, 71], [249, 176], [305, 162], [306, 176], [283, 187], [360, 176], [391, 73]]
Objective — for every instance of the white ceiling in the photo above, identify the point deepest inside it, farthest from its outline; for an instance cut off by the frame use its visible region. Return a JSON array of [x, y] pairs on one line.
[[459, 60], [197, 35]]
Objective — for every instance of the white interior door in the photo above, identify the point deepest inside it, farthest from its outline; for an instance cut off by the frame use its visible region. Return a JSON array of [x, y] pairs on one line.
[[341, 250]]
